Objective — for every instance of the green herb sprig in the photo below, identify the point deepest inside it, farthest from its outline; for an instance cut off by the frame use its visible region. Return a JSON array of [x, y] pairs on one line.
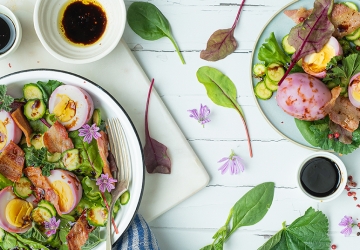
[[38, 158], [5, 100]]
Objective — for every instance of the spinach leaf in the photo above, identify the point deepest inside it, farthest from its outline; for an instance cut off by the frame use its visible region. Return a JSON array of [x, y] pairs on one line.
[[222, 91], [222, 42], [91, 162], [309, 231], [247, 211], [146, 20], [271, 52], [32, 244], [47, 88], [5, 182], [304, 128], [93, 240]]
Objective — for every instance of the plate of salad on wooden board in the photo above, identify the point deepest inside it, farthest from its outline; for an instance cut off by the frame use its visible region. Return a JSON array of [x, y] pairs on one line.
[[306, 74], [56, 166]]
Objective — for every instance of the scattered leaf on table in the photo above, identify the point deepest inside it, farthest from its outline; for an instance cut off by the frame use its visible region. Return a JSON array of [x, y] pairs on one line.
[[155, 153]]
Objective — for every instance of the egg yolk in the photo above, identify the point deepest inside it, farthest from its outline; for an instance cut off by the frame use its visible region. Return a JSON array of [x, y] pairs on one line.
[[355, 90], [65, 110], [3, 135], [317, 61], [17, 212], [66, 198]]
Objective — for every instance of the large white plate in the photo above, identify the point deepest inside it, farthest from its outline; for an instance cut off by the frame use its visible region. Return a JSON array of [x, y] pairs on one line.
[[283, 123], [109, 108]]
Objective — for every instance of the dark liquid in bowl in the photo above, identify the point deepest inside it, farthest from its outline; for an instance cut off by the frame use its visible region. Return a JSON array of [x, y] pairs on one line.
[[320, 177], [7, 36], [83, 23]]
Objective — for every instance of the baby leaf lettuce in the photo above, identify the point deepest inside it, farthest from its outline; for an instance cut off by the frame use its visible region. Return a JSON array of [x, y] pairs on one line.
[[270, 52], [309, 231], [247, 211], [311, 35], [93, 240]]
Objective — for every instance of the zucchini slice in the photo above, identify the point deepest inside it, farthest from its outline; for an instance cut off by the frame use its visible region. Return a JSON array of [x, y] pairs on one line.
[[273, 86], [41, 214], [32, 91], [97, 216], [22, 188], [125, 197], [96, 118], [259, 70], [34, 109], [37, 141], [71, 159], [49, 206], [275, 72], [353, 36], [286, 46], [262, 92]]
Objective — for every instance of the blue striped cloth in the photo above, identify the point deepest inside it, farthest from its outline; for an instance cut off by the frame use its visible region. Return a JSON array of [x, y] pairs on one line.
[[137, 237]]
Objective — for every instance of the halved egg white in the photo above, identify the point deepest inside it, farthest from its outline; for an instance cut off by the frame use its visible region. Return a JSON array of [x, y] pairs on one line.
[[72, 106], [8, 130], [315, 63], [354, 90]]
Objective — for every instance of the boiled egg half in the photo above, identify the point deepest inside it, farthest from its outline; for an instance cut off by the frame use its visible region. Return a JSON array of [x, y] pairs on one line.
[[354, 90], [68, 188], [315, 63], [8, 130], [14, 212], [72, 106]]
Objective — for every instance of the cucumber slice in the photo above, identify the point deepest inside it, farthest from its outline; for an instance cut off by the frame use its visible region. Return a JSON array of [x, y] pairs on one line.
[[275, 72], [96, 118], [259, 70], [357, 42], [49, 206], [351, 5], [41, 214], [273, 86], [32, 91], [22, 188], [37, 141], [125, 197], [97, 216], [353, 36], [71, 159], [286, 46], [55, 157], [262, 92], [34, 109]]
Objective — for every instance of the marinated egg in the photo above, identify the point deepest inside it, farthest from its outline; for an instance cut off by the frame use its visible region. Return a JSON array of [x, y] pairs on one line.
[[72, 106], [8, 130], [354, 90], [68, 188], [315, 63]]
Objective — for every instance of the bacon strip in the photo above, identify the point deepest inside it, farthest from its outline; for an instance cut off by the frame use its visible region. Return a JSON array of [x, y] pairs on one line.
[[12, 162], [345, 19], [103, 143], [23, 124], [40, 181], [56, 139], [79, 233]]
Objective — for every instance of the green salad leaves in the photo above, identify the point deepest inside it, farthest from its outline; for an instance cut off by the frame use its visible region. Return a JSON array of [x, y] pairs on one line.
[[271, 52], [309, 231], [5, 100]]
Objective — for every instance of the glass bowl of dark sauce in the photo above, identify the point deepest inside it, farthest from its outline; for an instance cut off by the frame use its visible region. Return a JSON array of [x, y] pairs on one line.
[[322, 176]]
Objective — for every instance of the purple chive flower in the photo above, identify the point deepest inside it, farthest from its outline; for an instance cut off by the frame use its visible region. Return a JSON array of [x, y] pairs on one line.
[[51, 226], [202, 117], [233, 162], [348, 223], [89, 132], [105, 182]]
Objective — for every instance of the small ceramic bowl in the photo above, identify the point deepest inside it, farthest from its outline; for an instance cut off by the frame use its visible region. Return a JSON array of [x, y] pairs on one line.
[[48, 17], [14, 25], [322, 176]]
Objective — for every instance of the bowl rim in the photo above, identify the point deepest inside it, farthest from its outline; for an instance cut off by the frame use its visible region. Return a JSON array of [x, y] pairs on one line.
[[65, 59], [125, 113]]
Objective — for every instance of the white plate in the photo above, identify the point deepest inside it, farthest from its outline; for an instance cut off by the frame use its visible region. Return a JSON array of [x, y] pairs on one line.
[[109, 108]]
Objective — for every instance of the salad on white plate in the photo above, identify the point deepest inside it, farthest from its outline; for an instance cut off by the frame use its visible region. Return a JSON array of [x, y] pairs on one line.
[[313, 72]]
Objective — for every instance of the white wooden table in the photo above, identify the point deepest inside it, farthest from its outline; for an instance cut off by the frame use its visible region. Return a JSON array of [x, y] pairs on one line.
[[191, 224]]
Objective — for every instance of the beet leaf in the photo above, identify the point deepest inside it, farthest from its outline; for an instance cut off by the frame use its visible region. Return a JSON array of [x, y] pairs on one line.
[[311, 35], [222, 42], [155, 155]]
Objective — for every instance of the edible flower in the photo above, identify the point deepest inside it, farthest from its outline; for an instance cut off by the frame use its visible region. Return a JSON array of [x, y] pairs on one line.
[[348, 223], [105, 183], [89, 132], [202, 117], [233, 162], [51, 226]]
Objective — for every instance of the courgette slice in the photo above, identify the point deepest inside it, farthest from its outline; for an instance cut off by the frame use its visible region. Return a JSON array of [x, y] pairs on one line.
[[55, 157], [97, 216], [37, 141], [353, 36], [273, 86], [275, 72], [96, 118], [351, 5], [49, 206], [40, 214], [357, 42], [125, 197], [259, 70], [32, 91], [262, 92], [71, 159], [286, 46], [34, 109], [22, 188]]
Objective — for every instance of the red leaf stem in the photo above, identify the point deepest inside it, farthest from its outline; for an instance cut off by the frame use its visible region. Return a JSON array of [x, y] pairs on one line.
[[238, 15]]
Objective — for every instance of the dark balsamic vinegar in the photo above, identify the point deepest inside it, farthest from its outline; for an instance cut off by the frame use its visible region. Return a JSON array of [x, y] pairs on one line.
[[6, 36], [320, 177]]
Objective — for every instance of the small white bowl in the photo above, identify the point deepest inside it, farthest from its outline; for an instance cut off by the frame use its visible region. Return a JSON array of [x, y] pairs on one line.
[[47, 26], [342, 179], [15, 30]]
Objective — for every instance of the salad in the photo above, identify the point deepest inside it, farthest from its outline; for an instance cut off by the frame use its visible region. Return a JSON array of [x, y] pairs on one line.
[[55, 169], [314, 74]]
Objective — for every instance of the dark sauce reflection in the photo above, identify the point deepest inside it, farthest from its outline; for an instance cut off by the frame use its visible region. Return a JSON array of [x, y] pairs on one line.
[[83, 22]]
